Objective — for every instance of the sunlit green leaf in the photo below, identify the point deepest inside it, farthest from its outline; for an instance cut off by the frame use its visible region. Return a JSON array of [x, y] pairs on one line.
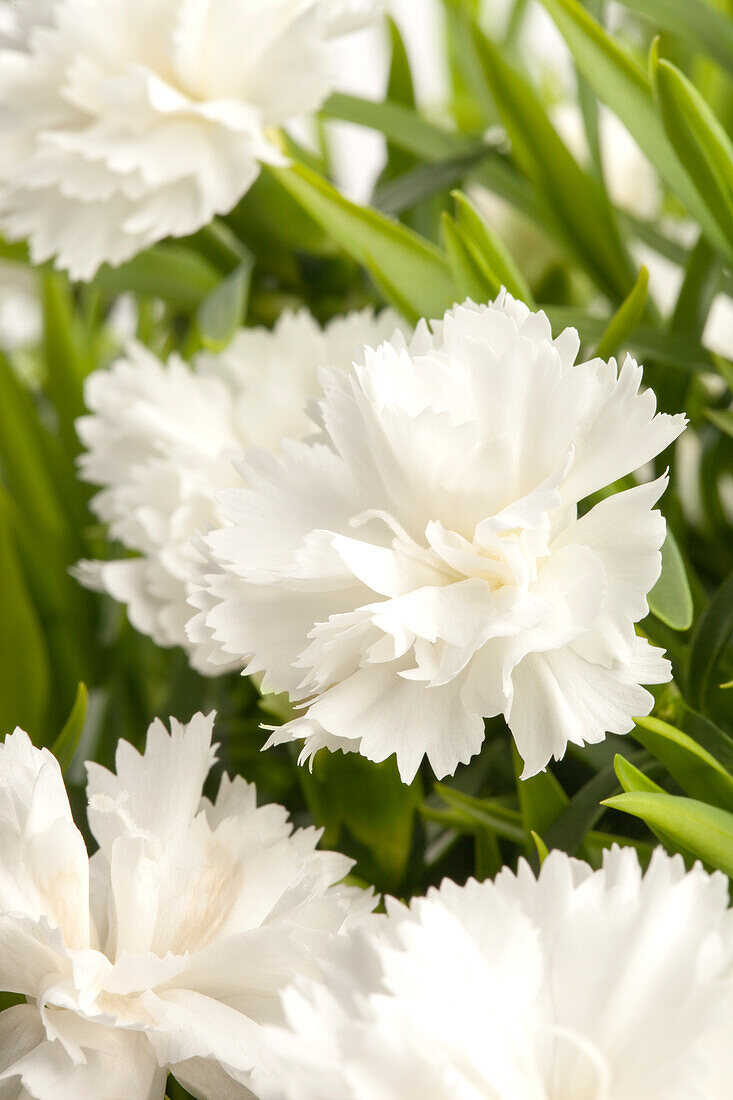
[[168, 271], [491, 249], [705, 831], [698, 772], [620, 82], [411, 264], [223, 311], [700, 141], [473, 278], [696, 22], [671, 599], [626, 318], [67, 741], [402, 126], [572, 198]]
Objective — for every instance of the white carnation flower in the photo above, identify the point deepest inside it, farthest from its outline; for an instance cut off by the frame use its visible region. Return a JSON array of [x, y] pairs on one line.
[[161, 439], [168, 948], [426, 566], [579, 985], [123, 123]]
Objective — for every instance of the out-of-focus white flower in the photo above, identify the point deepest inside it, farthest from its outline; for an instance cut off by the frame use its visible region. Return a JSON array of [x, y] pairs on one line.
[[579, 984], [168, 948], [121, 123], [20, 307], [161, 439], [426, 566]]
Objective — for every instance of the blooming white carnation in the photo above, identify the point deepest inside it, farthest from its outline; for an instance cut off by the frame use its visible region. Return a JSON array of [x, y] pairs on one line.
[[168, 948], [122, 123], [161, 439], [579, 985], [427, 566]]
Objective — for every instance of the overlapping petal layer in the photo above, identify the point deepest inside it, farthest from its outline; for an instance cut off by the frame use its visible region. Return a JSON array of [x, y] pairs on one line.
[[577, 985], [168, 950], [426, 563]]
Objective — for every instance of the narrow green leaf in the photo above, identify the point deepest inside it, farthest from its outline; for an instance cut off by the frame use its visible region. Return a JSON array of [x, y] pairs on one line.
[[36, 470], [671, 599], [711, 634], [366, 810], [574, 200], [632, 778], [472, 278], [626, 318], [476, 811], [65, 368], [674, 349], [722, 419], [68, 740], [623, 85], [491, 249], [717, 742], [411, 264], [425, 180], [696, 22], [171, 272], [582, 812], [24, 665], [224, 310], [541, 798], [700, 141], [705, 831], [698, 772], [542, 852], [402, 126]]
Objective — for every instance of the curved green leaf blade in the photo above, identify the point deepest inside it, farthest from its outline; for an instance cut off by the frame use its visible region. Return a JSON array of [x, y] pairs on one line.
[[695, 21], [223, 311], [472, 278], [491, 249], [711, 634], [671, 599], [698, 772], [619, 82], [401, 125], [68, 740], [167, 271], [626, 318], [574, 200], [705, 831], [700, 141], [410, 263], [25, 674]]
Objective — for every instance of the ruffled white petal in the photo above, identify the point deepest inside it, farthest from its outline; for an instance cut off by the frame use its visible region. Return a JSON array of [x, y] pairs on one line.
[[422, 565], [161, 440], [599, 985], [120, 130]]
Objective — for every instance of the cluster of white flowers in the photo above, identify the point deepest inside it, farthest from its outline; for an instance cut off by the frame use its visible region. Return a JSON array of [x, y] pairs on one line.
[[162, 439], [424, 565], [578, 984], [166, 950], [408, 532], [124, 123]]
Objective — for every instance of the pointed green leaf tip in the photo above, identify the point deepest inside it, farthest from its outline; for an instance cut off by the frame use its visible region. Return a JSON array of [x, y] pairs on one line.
[[626, 318], [223, 311], [67, 742], [671, 599]]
